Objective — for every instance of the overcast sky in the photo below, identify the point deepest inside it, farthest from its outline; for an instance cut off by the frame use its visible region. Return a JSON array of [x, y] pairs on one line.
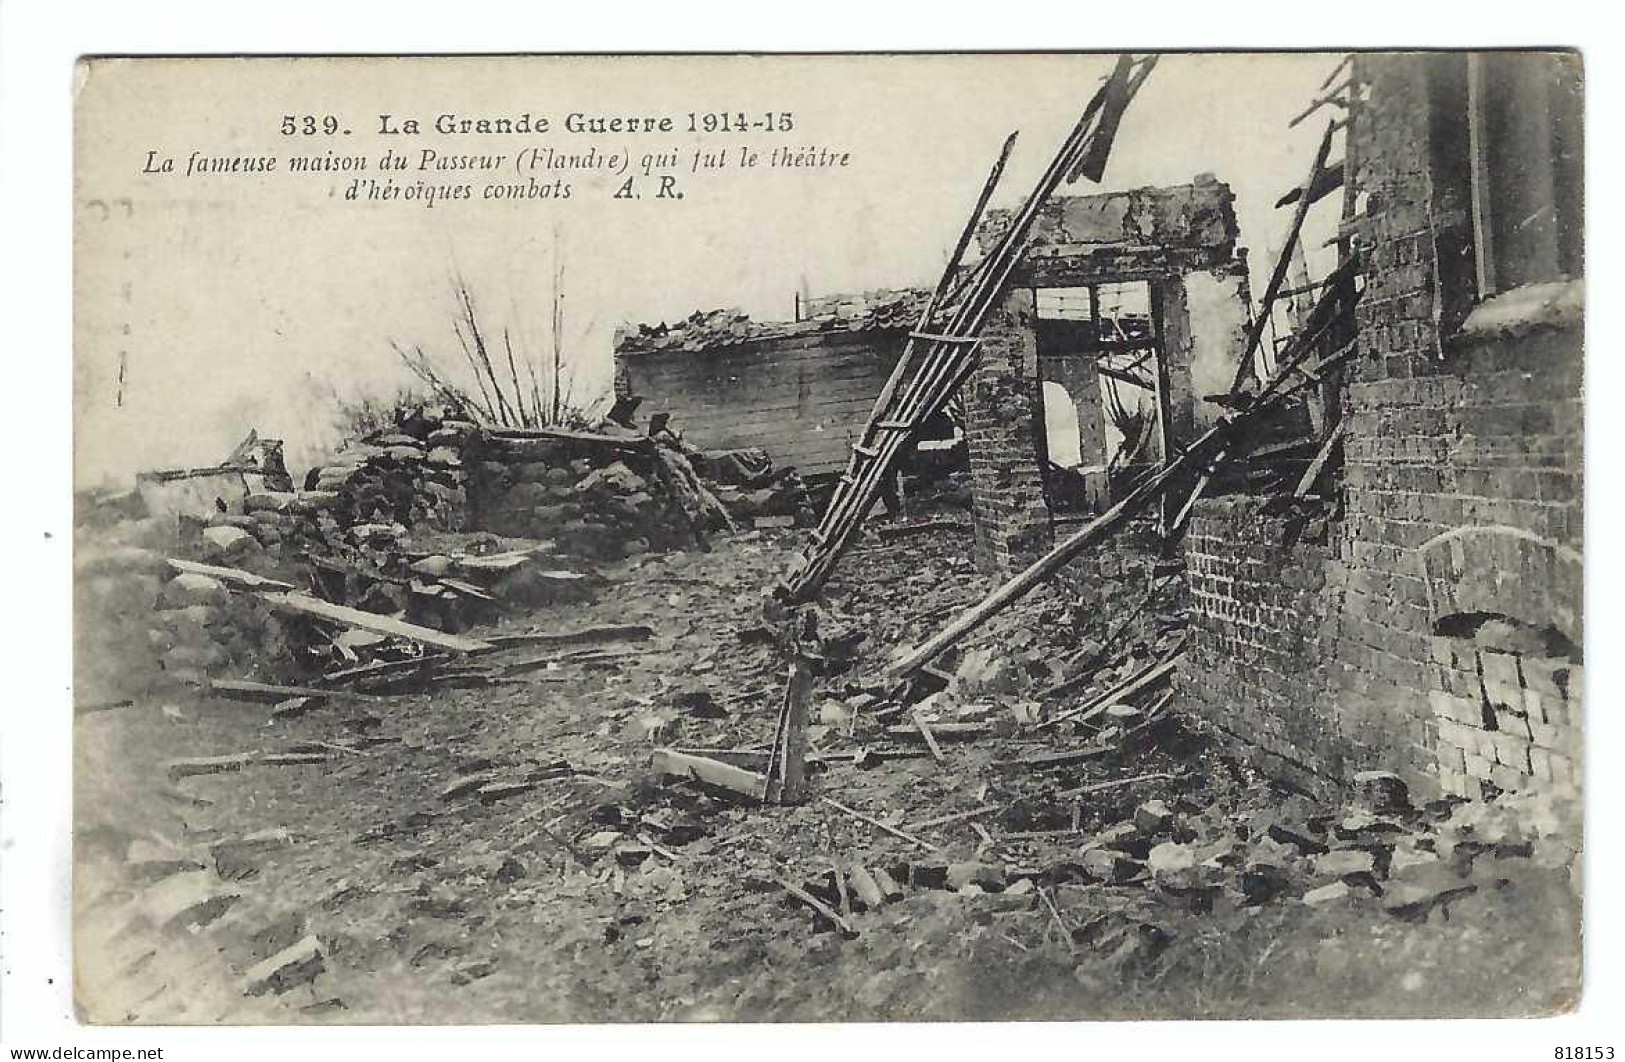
[[242, 301]]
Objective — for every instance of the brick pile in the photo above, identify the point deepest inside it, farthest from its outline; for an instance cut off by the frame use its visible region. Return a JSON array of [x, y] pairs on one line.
[[1507, 719]]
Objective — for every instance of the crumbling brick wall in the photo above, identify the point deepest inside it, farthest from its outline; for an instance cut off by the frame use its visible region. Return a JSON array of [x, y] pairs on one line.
[[1180, 239], [1005, 439], [1450, 435], [1127, 586]]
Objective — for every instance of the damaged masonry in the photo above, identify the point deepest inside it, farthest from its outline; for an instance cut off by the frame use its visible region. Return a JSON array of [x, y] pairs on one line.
[[1090, 635]]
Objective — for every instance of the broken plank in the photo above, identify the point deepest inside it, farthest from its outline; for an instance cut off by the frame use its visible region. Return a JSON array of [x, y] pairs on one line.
[[232, 577], [294, 965], [1133, 684], [382, 668], [496, 564], [925, 732], [262, 692], [632, 632], [306, 605], [633, 443], [877, 824], [711, 772], [865, 887], [466, 589], [943, 731], [1114, 783], [178, 769], [1318, 465], [888, 885], [1059, 759], [816, 904], [948, 820]]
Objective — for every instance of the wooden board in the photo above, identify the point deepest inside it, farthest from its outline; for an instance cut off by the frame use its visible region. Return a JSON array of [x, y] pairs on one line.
[[306, 605], [230, 576], [711, 772]]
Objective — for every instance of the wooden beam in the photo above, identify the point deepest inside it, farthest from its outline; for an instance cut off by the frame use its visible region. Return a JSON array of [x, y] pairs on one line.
[[1278, 275], [635, 443], [925, 732], [384, 668], [1129, 686], [710, 772], [634, 632], [1318, 465], [1040, 570], [304, 604], [1062, 758], [232, 577], [787, 771]]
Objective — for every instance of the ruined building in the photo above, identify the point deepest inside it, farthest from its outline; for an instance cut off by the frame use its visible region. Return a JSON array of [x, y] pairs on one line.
[[1421, 613], [797, 389], [1414, 605], [1171, 251], [1436, 629]]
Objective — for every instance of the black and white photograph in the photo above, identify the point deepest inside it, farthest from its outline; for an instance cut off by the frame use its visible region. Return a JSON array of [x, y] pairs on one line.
[[754, 538]]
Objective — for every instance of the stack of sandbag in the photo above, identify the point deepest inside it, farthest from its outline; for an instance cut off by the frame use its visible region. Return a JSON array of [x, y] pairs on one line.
[[413, 475], [595, 501]]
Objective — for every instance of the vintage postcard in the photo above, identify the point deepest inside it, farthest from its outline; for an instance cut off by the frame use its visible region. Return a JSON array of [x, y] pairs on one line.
[[828, 537]]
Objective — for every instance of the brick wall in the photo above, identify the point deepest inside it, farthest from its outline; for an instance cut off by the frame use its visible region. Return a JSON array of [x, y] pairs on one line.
[[1464, 446], [1005, 441], [1260, 617]]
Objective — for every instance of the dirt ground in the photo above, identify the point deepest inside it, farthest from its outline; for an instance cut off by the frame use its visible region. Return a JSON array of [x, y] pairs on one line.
[[504, 854]]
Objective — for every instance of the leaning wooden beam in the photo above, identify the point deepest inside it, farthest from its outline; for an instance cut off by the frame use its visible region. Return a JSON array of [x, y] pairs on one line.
[[710, 772], [1318, 465], [889, 389], [1202, 481], [1046, 566], [947, 362], [1292, 373], [1337, 97], [304, 604], [925, 732], [1278, 276]]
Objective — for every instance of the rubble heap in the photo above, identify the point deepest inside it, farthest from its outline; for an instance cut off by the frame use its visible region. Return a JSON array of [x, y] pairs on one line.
[[392, 527]]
